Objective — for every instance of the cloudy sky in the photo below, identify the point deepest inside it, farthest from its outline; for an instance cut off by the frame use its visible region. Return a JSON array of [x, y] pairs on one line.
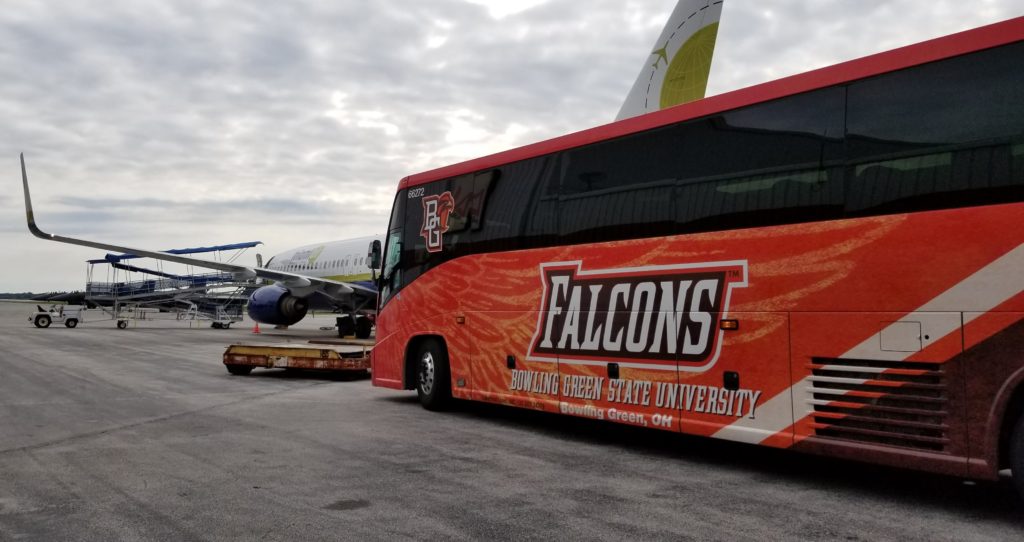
[[172, 123]]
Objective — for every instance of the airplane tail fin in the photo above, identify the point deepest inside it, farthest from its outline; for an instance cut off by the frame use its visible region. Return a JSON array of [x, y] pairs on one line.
[[676, 71]]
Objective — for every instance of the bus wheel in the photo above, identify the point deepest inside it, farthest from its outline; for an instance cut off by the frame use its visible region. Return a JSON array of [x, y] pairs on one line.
[[433, 384], [1017, 456], [42, 321], [121, 324], [240, 370], [71, 322]]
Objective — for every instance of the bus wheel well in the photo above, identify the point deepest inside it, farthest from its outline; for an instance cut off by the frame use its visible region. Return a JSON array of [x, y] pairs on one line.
[[409, 375], [1014, 409]]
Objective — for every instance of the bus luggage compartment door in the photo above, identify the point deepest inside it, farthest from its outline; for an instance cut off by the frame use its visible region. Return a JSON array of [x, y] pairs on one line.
[[744, 395]]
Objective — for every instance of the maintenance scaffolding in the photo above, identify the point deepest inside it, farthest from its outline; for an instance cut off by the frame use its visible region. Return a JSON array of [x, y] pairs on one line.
[[127, 293]]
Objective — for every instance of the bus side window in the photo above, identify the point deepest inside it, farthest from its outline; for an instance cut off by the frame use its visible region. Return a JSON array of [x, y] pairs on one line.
[[515, 213], [789, 170], [623, 187], [952, 143], [482, 183]]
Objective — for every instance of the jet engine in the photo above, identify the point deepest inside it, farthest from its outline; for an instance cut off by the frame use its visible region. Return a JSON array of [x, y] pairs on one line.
[[276, 306]]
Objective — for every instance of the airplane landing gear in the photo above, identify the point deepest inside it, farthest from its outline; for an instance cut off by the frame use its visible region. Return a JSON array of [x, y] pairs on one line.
[[359, 326], [346, 326], [363, 328]]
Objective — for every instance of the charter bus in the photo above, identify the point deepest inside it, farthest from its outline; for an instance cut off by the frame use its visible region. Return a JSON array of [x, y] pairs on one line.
[[832, 262]]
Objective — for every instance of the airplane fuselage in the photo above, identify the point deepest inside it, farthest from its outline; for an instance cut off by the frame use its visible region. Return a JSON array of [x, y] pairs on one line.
[[342, 261]]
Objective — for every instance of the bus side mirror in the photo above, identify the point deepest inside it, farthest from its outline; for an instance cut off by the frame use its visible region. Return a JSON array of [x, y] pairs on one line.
[[374, 254]]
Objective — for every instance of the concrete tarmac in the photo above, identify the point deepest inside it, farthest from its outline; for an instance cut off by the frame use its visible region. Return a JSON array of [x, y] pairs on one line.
[[140, 434]]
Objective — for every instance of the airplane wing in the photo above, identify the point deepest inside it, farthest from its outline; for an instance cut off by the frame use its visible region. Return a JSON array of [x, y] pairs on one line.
[[292, 281]]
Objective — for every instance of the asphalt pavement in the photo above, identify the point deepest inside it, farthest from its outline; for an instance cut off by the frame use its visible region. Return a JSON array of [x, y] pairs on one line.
[[140, 434]]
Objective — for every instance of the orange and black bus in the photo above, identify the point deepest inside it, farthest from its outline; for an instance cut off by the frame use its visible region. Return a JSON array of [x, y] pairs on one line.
[[832, 262]]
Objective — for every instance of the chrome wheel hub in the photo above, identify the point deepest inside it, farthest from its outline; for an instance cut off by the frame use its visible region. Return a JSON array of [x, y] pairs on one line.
[[427, 373]]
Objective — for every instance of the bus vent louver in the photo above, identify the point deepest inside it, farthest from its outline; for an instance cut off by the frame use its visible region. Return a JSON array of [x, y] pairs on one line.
[[897, 403]]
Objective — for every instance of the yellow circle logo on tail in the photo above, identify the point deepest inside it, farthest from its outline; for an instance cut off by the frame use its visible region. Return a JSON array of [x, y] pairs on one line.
[[687, 75]]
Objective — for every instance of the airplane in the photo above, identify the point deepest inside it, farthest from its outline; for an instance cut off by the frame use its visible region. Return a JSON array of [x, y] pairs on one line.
[[340, 275], [328, 276], [661, 54], [686, 45], [348, 261]]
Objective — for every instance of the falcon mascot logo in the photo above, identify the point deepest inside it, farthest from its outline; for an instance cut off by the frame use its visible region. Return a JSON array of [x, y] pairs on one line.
[[436, 211]]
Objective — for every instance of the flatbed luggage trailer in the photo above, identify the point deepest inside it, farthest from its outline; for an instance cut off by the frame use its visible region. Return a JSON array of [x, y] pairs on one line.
[[241, 359]]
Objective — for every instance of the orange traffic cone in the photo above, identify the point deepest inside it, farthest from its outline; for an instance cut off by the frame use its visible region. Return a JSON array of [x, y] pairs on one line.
[[256, 328]]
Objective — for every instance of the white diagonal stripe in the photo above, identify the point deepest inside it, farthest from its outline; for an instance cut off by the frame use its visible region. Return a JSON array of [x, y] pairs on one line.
[[979, 293]]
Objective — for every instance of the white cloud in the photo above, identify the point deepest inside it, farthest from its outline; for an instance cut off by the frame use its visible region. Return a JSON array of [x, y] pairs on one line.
[[499, 9]]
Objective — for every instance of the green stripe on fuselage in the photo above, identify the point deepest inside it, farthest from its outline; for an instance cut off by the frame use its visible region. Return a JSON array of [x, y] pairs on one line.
[[350, 278]]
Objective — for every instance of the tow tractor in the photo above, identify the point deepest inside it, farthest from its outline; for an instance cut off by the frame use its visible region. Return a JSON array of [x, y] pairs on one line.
[[70, 315]]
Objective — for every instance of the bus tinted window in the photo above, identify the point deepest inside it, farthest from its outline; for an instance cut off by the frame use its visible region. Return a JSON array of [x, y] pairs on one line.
[[623, 187], [766, 164], [793, 133], [937, 135], [513, 215], [728, 169]]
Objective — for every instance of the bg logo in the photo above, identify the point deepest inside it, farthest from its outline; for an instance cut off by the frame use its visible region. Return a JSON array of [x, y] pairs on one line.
[[436, 210], [656, 316]]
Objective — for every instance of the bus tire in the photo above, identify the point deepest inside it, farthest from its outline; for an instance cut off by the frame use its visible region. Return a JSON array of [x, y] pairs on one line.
[[71, 322], [121, 324], [1017, 455], [240, 370], [433, 380], [363, 327], [42, 321]]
